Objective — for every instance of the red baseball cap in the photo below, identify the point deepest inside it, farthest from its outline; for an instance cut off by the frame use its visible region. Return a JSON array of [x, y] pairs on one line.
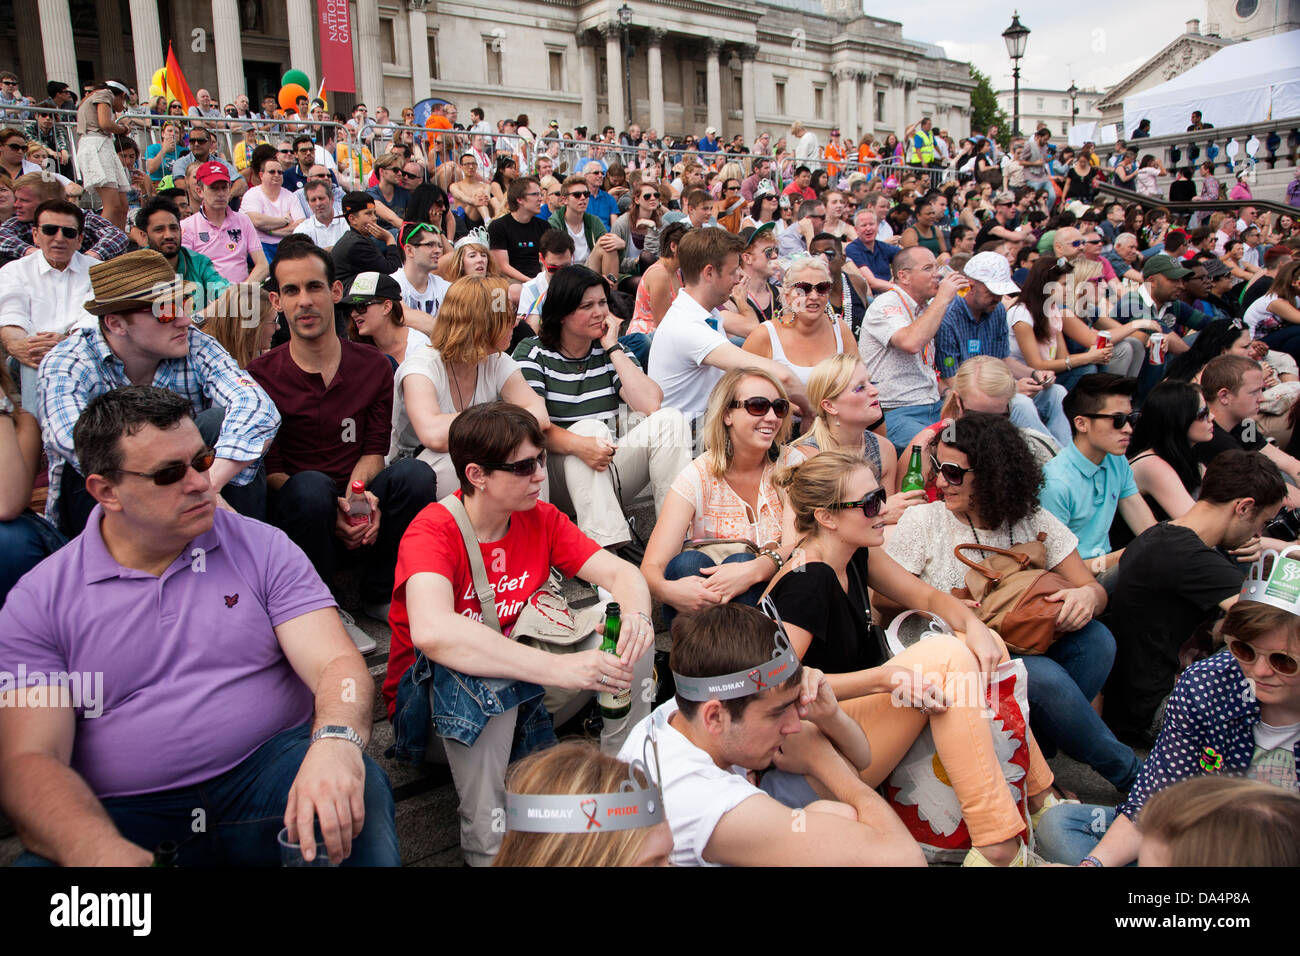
[[212, 172]]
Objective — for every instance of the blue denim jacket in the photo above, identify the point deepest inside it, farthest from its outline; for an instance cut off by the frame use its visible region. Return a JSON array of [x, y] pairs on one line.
[[461, 709]]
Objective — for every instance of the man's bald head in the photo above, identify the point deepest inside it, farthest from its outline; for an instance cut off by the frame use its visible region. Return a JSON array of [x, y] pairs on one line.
[[1068, 242]]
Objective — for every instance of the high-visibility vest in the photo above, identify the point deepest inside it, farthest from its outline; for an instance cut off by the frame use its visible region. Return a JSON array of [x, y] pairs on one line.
[[926, 153]]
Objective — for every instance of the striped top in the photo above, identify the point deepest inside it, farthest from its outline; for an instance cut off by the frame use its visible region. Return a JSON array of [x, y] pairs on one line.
[[573, 389]]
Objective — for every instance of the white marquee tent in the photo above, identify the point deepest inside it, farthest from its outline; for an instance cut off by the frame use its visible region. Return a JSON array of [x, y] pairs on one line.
[[1248, 82]]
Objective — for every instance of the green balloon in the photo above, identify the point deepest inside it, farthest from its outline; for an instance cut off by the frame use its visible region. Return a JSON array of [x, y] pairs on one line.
[[296, 76]]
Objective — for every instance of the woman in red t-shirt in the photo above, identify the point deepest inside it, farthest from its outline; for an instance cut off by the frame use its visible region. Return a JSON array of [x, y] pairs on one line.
[[498, 453]]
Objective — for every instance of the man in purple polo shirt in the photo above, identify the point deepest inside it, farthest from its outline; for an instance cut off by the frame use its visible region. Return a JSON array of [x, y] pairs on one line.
[[335, 399], [226, 237], [157, 675]]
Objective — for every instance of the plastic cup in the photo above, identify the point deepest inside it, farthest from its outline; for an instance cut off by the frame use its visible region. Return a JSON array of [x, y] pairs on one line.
[[291, 853]]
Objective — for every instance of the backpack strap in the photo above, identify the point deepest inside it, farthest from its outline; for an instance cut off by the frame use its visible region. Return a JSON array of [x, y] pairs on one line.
[[482, 589]]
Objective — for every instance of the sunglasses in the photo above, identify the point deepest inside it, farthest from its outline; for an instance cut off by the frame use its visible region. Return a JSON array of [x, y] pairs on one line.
[[362, 306], [174, 473], [649, 196], [758, 406], [1282, 663], [69, 232], [807, 288], [273, 172], [952, 473], [279, 151], [870, 505], [1120, 419], [579, 194], [198, 142], [551, 270], [20, 147], [521, 469]]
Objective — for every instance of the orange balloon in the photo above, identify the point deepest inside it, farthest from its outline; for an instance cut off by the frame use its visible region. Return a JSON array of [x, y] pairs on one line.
[[289, 94]]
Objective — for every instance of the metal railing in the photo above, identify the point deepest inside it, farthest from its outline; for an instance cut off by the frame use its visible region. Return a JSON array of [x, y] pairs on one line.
[[1276, 141], [1128, 197]]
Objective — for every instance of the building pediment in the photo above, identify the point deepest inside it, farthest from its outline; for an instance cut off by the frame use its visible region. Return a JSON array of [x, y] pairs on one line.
[[1176, 58]]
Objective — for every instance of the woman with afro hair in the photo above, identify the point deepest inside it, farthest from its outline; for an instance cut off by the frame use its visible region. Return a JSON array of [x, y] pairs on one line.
[[989, 483]]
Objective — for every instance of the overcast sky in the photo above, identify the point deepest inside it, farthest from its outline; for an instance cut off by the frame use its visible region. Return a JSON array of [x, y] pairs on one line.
[[1096, 43]]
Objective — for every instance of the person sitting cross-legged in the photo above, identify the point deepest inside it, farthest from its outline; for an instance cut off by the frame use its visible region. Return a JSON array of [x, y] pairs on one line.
[[210, 659], [712, 746], [585, 377], [336, 399]]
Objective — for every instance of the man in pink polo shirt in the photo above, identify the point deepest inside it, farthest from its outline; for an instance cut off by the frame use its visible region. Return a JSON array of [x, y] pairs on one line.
[[178, 673], [228, 238]]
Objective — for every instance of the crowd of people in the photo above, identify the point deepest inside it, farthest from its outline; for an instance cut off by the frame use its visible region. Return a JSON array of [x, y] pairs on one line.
[[454, 365]]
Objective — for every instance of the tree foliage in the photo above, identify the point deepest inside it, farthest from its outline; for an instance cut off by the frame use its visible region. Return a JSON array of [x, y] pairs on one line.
[[985, 111]]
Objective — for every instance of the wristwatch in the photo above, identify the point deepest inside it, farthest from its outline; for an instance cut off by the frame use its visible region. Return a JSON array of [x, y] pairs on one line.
[[334, 730]]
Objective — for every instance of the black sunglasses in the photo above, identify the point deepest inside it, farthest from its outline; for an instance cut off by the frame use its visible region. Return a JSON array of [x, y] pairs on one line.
[[579, 194], [870, 505], [174, 473], [69, 232], [807, 288], [1282, 663], [758, 406], [1120, 419], [952, 473], [521, 469]]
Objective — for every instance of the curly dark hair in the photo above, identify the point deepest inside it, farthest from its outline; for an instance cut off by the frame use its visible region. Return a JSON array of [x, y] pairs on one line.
[[1006, 475]]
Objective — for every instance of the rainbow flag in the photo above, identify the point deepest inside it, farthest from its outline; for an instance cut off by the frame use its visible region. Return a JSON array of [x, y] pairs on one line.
[[174, 82]]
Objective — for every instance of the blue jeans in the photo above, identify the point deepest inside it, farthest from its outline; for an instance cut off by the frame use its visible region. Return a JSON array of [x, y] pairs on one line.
[[638, 343], [1042, 413], [1062, 684], [1068, 833], [690, 562], [902, 423], [1285, 339], [243, 811], [25, 542]]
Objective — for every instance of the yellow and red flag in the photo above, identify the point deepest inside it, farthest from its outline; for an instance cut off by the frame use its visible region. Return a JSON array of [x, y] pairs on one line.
[[174, 82]]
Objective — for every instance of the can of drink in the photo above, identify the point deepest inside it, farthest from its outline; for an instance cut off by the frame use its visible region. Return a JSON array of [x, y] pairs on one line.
[[1103, 339], [1156, 348]]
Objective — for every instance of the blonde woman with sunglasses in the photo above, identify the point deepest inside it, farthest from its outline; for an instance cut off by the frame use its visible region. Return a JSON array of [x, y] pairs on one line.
[[803, 333]]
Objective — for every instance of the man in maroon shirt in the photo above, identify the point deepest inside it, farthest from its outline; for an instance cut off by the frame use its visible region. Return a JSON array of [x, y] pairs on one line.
[[336, 405]]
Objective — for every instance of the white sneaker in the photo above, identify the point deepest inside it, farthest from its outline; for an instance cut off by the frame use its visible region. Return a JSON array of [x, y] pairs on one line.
[[363, 641]]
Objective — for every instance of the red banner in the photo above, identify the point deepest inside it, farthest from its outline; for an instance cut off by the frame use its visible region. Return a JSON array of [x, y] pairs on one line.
[[336, 44]]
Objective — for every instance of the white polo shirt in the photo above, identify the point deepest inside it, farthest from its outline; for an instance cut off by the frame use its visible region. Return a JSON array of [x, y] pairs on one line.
[[681, 343], [36, 297]]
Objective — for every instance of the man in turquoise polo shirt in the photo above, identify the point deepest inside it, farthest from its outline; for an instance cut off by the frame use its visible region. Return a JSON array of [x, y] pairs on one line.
[[1090, 479]]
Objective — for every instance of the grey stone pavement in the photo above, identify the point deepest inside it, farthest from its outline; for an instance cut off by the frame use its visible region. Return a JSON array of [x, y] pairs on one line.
[[427, 826]]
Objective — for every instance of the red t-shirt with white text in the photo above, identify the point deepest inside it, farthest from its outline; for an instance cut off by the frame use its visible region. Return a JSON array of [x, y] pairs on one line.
[[517, 566]]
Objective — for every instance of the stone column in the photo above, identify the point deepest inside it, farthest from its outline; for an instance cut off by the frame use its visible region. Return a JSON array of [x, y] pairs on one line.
[[587, 80], [867, 104], [714, 66], [146, 37], [417, 24], [748, 53], [302, 38], [655, 72], [230, 56], [371, 74], [56, 38], [846, 91], [612, 33]]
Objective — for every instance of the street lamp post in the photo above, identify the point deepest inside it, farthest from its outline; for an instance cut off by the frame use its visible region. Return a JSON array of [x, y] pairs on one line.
[[625, 21], [1015, 37], [1074, 110]]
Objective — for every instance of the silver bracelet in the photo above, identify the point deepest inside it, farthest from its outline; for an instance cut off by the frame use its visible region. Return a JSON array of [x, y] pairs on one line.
[[647, 617]]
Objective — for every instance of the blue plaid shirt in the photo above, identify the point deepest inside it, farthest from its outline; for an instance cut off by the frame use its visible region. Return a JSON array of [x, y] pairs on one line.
[[82, 366], [960, 336]]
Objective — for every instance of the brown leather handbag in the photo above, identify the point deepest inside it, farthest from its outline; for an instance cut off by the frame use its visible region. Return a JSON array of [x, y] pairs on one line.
[[1012, 586]]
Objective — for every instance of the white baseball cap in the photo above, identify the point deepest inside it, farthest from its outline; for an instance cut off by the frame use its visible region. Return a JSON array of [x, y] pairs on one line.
[[993, 270]]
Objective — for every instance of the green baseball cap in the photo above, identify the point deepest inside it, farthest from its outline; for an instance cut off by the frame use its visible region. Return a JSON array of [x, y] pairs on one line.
[[1163, 265]]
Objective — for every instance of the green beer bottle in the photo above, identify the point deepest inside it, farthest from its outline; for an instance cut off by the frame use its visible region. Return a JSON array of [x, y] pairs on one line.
[[913, 478], [613, 705]]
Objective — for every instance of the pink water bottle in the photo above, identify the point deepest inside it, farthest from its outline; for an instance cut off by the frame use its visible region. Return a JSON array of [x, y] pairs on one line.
[[358, 506]]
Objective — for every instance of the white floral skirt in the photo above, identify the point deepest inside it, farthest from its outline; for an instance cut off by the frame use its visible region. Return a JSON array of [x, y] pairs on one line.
[[98, 163]]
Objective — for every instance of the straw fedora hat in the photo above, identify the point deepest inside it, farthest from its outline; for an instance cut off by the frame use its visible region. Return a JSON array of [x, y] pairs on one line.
[[134, 281]]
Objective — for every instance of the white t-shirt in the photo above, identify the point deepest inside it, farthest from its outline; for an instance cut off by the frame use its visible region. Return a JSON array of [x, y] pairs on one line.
[[696, 791], [415, 340], [530, 296], [256, 200], [1018, 315], [429, 299], [493, 372], [324, 236], [1273, 761], [1257, 311], [926, 534], [884, 232], [36, 297], [682, 341], [580, 248], [905, 379]]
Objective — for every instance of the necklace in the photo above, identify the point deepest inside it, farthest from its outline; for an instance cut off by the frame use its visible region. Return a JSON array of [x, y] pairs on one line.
[[585, 361], [455, 383]]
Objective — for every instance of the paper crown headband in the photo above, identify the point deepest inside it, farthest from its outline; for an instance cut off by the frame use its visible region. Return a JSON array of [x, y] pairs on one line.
[[631, 807], [478, 236], [1280, 586], [765, 188], [771, 674]]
